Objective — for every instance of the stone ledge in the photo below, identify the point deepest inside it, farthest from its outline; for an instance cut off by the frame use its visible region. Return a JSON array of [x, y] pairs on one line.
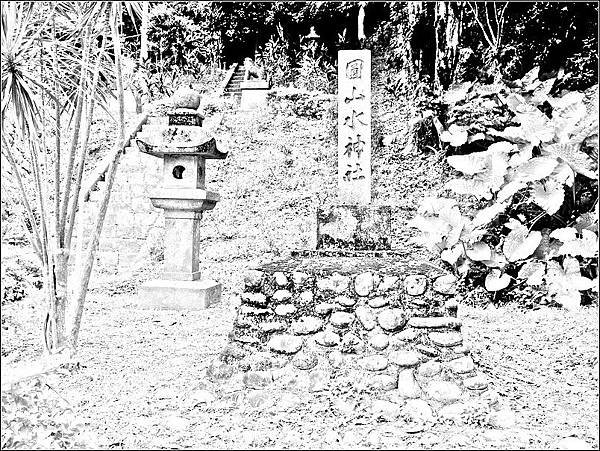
[[324, 262]]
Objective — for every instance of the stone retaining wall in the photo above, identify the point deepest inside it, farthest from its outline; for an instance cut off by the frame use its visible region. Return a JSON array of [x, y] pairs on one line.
[[394, 324], [132, 224]]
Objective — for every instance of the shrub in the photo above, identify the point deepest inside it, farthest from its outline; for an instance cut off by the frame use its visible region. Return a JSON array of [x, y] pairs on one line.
[[526, 182], [302, 103], [34, 417], [20, 275]]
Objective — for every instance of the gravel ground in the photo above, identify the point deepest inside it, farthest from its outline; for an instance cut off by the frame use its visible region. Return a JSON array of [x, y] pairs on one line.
[[143, 374]]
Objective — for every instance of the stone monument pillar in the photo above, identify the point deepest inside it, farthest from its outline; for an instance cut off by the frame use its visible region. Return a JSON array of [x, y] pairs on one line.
[[354, 126], [354, 224], [183, 197]]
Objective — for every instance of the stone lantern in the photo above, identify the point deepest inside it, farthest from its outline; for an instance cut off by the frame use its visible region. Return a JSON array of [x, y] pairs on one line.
[[183, 197]]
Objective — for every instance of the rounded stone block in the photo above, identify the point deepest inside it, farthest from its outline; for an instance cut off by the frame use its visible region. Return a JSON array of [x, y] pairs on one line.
[[378, 302], [306, 297], [429, 369], [257, 379], [406, 335], [253, 279], [445, 284], [324, 308], [341, 319], [374, 363], [285, 309], [385, 382], [300, 278], [336, 283], [446, 339], [429, 351], [366, 317], [306, 325], [477, 382], [345, 301], [281, 279], [363, 284], [379, 341], [391, 319], [418, 411], [405, 358], [282, 295], [415, 285], [327, 338], [407, 385], [285, 344]]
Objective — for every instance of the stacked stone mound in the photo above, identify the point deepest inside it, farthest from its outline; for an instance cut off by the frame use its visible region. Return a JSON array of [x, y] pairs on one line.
[[392, 324]]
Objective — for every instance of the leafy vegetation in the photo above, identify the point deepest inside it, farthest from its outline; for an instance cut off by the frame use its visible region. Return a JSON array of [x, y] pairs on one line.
[[34, 416], [56, 68], [528, 191]]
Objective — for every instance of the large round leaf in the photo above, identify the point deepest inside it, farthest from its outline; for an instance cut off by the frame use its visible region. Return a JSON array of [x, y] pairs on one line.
[[519, 244], [496, 281]]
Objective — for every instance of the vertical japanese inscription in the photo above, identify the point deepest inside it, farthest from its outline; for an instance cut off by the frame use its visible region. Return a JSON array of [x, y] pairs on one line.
[[354, 126]]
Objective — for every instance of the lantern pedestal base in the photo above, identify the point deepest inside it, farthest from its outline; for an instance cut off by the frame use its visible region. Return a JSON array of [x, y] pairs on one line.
[[179, 294]]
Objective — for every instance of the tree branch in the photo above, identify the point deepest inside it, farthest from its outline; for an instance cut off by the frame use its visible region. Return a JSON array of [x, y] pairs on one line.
[[475, 12], [11, 160], [75, 140]]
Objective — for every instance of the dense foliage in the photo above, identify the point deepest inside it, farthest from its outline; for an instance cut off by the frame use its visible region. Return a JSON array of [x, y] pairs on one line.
[[34, 416], [526, 180], [437, 42], [486, 41]]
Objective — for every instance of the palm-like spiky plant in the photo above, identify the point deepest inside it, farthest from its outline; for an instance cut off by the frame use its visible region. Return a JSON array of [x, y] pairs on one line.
[[59, 60]]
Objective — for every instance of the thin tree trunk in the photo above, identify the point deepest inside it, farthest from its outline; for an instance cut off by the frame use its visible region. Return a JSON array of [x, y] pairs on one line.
[[86, 264], [78, 300], [447, 35], [144, 33], [83, 151]]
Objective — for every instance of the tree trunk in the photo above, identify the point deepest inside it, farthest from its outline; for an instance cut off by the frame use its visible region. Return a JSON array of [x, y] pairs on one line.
[[144, 33], [448, 24]]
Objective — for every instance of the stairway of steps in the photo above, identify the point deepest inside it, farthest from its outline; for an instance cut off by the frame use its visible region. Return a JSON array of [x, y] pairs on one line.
[[233, 87], [132, 225]]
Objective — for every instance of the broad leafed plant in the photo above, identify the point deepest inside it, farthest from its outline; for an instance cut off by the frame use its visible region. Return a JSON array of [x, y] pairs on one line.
[[541, 164]]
